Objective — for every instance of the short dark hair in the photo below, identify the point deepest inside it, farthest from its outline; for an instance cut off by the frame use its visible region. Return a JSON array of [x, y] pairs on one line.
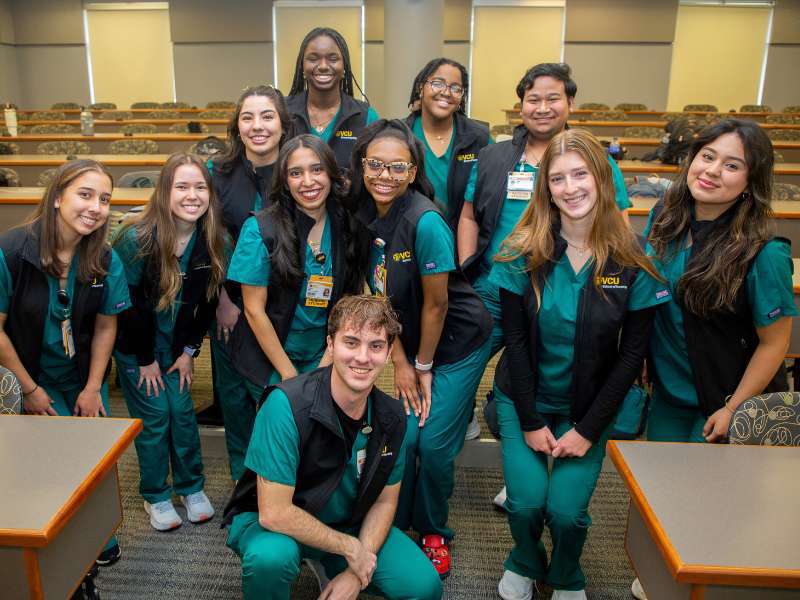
[[560, 71], [361, 311]]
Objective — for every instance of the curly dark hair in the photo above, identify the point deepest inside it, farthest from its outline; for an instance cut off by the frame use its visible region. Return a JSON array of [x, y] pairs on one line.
[[430, 69]]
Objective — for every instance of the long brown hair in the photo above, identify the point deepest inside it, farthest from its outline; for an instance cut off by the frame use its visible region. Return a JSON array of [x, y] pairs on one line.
[[90, 248], [158, 215], [609, 238], [717, 271]]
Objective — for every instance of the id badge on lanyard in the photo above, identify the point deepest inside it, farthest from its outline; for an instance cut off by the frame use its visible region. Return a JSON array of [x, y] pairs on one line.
[[66, 338], [379, 275], [520, 185], [319, 290], [361, 459]]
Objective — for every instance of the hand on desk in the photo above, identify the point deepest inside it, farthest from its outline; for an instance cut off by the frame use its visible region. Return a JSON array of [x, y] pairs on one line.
[[716, 427], [89, 404], [38, 403]]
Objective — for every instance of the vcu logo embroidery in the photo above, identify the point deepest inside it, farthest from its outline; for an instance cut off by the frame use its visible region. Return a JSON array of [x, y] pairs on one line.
[[471, 157], [346, 134], [404, 256], [613, 283]]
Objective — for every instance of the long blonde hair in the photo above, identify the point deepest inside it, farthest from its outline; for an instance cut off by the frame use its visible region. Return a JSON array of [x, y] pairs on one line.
[[609, 238], [158, 215]]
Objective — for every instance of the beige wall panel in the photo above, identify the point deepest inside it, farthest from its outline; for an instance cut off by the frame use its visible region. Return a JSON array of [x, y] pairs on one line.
[[234, 66], [132, 56], [457, 16], [782, 84], [48, 21], [292, 25], [373, 20], [507, 41], [614, 73], [6, 23], [49, 74], [214, 21], [786, 22], [723, 70], [620, 20], [9, 76], [373, 75]]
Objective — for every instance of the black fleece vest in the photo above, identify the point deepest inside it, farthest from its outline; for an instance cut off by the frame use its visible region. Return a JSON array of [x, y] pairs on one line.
[[599, 322], [350, 122], [284, 296], [30, 297], [137, 327], [467, 324], [323, 451], [471, 137], [236, 190]]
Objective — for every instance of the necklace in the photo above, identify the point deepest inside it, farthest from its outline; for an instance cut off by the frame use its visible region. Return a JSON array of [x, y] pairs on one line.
[[316, 249], [581, 250], [322, 114]]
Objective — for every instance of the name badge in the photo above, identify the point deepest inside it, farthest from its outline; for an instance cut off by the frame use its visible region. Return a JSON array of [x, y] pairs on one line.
[[66, 338], [361, 459], [319, 290], [519, 185]]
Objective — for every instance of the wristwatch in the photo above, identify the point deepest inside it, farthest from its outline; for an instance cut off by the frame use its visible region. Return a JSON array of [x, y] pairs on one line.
[[193, 352]]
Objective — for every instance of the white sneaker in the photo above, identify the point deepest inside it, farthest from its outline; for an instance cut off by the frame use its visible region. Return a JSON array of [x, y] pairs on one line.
[[500, 500], [319, 572], [198, 507], [568, 595], [515, 587], [473, 429], [163, 516], [637, 591]]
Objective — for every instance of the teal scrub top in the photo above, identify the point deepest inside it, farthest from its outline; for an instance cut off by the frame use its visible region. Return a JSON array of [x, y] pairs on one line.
[[128, 248], [558, 317], [769, 290], [250, 265], [434, 249], [326, 134], [274, 454], [436, 167], [56, 367], [510, 214]]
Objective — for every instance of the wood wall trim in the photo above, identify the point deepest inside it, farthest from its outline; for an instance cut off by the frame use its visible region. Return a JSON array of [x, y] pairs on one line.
[[33, 573]]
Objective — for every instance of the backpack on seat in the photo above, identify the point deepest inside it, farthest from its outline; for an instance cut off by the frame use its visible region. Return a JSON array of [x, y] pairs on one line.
[[675, 144]]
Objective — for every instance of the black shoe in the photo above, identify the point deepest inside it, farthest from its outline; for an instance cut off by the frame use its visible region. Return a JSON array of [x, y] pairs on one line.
[[87, 590], [211, 416], [109, 557]]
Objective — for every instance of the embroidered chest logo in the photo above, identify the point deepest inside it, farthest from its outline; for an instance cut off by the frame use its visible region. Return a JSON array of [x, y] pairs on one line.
[[345, 134], [471, 157], [404, 256], [610, 283]]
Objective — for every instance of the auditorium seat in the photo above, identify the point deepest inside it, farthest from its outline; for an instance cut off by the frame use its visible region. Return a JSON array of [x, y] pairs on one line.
[[48, 115], [174, 105], [139, 179], [210, 146], [184, 127], [748, 108], [671, 116], [644, 132], [794, 108], [164, 115], [777, 157], [63, 147], [133, 147], [138, 128], [626, 106], [594, 106], [8, 177], [116, 115], [700, 108], [609, 115], [785, 191], [65, 106], [103, 106], [786, 119], [221, 104], [790, 135], [503, 129], [9, 148], [215, 114], [45, 177], [150, 105], [53, 128]]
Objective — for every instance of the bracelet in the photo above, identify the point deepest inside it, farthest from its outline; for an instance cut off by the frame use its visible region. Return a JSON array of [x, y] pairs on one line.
[[35, 387], [730, 410], [424, 367]]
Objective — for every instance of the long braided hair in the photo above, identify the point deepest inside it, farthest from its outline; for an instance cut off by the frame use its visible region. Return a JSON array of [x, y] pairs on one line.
[[346, 85]]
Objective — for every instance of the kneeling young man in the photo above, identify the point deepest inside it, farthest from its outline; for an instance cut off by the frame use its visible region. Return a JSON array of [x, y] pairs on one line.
[[323, 474]]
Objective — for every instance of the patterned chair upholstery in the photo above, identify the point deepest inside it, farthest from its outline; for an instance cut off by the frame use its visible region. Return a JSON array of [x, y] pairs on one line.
[[594, 106], [48, 115], [504, 129], [103, 106], [138, 128], [8, 177], [791, 135], [221, 104], [63, 147], [21, 130], [785, 191], [748, 108], [700, 108], [214, 114], [786, 119], [644, 132], [133, 147], [778, 157], [65, 106], [45, 177], [9, 148], [184, 127], [630, 106], [794, 108], [53, 128], [139, 179], [767, 420], [609, 115], [115, 219], [10, 393], [150, 105], [163, 114], [116, 115], [210, 146], [174, 105]]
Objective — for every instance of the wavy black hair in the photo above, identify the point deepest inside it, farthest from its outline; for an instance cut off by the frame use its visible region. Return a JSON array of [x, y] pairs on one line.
[[428, 70], [346, 85]]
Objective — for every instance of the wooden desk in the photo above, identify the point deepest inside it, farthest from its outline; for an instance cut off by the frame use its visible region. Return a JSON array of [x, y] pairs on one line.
[[513, 113], [142, 111], [100, 142], [60, 499], [29, 166], [102, 125], [784, 172], [712, 521], [638, 147]]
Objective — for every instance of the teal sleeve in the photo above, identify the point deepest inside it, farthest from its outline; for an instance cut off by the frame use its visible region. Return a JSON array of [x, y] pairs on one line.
[[769, 284], [512, 276], [647, 291], [396, 476], [372, 116], [250, 262], [210, 166], [115, 294], [469, 192], [274, 450], [620, 191], [6, 285], [127, 248], [434, 246]]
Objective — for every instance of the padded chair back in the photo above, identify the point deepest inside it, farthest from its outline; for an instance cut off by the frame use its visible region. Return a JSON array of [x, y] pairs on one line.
[[8, 177], [785, 191], [644, 132], [221, 104], [48, 115], [139, 179], [150, 105], [630, 106], [794, 108], [700, 108], [163, 114], [767, 420], [65, 106], [609, 115], [9, 148], [116, 115], [53, 128], [138, 128], [503, 129], [63, 147], [10, 393], [174, 105], [783, 119], [778, 157], [184, 127], [214, 114], [133, 147], [103, 106], [594, 106], [755, 108], [784, 134], [45, 177]]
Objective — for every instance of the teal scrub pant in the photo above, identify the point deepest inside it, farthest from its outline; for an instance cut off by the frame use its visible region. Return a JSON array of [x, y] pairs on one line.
[[536, 496], [668, 423], [238, 403], [64, 404], [271, 563], [169, 437], [432, 449]]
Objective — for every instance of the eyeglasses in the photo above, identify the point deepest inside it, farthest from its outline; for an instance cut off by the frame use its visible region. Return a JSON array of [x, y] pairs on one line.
[[438, 86], [397, 170]]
